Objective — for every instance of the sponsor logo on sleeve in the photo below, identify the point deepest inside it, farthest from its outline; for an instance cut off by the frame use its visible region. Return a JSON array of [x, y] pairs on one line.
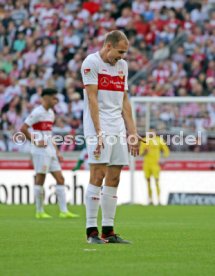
[[86, 71]]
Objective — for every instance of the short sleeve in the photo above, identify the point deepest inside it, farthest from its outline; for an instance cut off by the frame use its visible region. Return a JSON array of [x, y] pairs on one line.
[[89, 72], [31, 119], [126, 75]]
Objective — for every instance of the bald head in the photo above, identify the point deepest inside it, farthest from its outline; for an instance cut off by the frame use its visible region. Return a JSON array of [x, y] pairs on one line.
[[114, 48], [114, 37]]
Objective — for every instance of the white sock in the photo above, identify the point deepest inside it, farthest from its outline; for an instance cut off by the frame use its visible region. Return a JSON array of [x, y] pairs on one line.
[[108, 205], [39, 196], [61, 198], [92, 205]]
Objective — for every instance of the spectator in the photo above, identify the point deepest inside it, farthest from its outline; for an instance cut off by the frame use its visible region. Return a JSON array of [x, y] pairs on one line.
[[11, 91], [19, 43], [76, 106], [125, 18]]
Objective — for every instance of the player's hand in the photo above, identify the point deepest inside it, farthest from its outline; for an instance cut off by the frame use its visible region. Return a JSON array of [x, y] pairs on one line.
[[99, 147], [41, 144], [133, 144]]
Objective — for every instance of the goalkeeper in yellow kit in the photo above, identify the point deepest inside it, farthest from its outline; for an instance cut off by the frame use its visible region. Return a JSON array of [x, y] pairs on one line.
[[151, 150]]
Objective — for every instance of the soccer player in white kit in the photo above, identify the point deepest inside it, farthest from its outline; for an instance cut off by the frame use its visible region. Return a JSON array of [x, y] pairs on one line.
[[45, 155], [107, 119]]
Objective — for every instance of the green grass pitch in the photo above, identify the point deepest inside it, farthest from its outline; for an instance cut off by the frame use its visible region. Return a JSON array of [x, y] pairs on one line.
[[172, 240]]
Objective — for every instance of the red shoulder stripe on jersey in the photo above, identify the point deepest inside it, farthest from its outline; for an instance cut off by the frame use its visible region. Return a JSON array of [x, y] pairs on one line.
[[111, 83], [43, 126]]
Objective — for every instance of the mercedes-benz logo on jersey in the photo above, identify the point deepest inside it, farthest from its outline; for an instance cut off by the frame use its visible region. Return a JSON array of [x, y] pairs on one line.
[[104, 81]]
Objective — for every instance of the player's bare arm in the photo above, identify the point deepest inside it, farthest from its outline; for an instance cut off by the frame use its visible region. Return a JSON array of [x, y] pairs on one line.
[[28, 135], [130, 126], [59, 155], [92, 92]]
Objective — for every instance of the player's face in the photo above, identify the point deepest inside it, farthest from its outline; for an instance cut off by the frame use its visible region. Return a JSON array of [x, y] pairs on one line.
[[52, 100], [116, 52]]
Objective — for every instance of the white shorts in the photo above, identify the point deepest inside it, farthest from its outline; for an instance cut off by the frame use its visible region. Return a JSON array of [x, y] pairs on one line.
[[115, 151], [44, 164]]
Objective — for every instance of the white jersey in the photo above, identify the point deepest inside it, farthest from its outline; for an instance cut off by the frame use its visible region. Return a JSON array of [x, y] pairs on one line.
[[112, 83], [41, 122]]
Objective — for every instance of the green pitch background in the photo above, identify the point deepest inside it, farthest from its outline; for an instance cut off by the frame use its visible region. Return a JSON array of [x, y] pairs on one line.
[[171, 240]]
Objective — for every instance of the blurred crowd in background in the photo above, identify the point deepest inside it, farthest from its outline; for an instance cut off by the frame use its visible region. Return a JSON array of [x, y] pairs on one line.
[[43, 44]]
